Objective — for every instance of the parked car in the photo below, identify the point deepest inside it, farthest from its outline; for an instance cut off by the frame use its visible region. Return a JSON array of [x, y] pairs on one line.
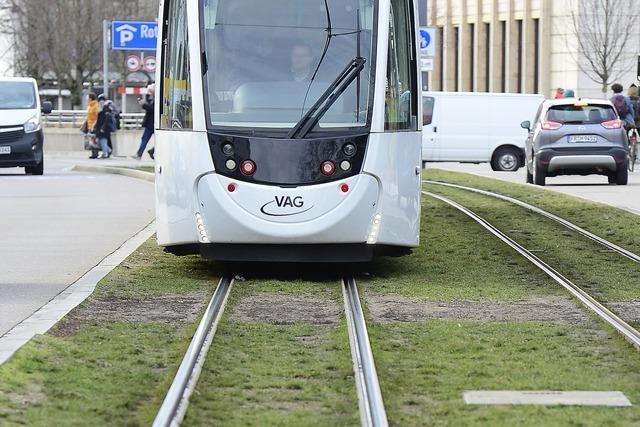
[[21, 137], [576, 137], [476, 128]]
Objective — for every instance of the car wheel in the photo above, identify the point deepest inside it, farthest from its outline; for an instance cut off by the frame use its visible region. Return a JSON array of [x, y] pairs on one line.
[[506, 160], [539, 176], [35, 170], [622, 175], [612, 178]]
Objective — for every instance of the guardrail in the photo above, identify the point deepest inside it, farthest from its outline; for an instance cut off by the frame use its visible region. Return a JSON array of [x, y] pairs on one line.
[[75, 119]]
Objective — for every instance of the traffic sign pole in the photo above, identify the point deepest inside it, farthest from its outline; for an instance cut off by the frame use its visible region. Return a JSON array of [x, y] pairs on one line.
[[105, 57]]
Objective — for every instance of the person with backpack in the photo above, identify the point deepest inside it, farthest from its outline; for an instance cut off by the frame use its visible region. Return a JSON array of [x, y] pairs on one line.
[[634, 97], [114, 117], [103, 129], [623, 106]]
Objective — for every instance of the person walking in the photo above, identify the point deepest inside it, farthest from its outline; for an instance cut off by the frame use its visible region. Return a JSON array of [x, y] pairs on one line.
[[148, 123], [108, 104], [92, 118], [623, 106], [103, 128], [634, 96]]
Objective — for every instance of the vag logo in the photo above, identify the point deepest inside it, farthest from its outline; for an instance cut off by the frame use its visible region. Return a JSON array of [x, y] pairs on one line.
[[285, 206]]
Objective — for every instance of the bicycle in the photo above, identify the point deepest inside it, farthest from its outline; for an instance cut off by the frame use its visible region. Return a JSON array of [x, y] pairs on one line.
[[632, 154]]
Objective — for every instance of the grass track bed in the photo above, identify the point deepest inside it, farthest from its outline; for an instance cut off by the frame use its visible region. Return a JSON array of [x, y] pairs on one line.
[[613, 224], [109, 372], [424, 367], [606, 275], [456, 261], [260, 373]]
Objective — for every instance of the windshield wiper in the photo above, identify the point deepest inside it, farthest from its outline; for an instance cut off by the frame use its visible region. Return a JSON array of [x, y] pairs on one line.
[[328, 98]]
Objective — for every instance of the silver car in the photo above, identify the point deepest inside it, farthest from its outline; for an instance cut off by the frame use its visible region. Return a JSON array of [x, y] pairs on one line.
[[576, 137]]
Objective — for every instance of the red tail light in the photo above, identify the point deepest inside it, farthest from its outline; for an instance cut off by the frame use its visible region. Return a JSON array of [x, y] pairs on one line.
[[328, 168], [548, 125], [248, 167], [612, 124]]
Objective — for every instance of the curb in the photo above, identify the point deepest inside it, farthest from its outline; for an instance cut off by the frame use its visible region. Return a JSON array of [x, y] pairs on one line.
[[131, 173], [52, 312]]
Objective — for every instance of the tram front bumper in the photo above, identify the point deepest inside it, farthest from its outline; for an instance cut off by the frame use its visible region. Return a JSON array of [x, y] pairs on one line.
[[235, 212]]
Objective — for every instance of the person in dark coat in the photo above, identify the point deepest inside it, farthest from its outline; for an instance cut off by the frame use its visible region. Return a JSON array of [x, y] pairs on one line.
[[148, 123], [103, 129]]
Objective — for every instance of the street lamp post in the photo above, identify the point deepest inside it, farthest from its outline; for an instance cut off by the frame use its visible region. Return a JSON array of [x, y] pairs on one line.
[[105, 57]]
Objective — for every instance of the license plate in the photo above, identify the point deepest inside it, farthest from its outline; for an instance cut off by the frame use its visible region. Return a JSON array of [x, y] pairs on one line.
[[583, 138], [5, 150]]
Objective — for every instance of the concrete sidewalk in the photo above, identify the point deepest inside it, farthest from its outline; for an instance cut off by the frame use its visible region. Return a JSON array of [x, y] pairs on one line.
[[81, 158]]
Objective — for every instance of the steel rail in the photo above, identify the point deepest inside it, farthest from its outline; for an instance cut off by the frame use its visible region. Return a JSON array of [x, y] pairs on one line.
[[622, 251], [372, 411], [176, 401], [631, 334]]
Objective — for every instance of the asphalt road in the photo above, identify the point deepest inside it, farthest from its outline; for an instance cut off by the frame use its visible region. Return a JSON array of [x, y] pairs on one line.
[[55, 228], [591, 187]]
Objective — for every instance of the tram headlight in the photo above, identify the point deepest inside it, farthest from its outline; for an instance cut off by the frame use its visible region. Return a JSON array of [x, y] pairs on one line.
[[231, 164], [375, 229], [349, 149], [203, 234], [345, 165], [228, 150]]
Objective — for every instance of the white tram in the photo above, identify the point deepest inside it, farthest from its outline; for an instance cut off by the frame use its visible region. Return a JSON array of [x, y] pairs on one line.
[[288, 130]]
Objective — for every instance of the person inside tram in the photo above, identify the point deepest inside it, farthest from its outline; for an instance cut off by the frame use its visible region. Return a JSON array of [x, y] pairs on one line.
[[301, 61]]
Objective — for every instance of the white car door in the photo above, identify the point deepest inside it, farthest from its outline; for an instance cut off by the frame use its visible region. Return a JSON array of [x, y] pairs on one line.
[[429, 130]]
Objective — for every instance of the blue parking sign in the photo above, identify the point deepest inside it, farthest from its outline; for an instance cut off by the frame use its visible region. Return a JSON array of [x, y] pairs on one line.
[[134, 35]]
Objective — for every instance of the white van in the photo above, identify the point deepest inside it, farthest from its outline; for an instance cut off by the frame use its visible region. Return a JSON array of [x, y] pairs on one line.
[[21, 136], [477, 127]]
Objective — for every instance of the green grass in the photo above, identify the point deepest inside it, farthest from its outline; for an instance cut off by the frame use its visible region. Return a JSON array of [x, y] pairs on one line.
[[425, 367], [616, 225], [111, 373], [265, 374], [457, 260], [607, 275]]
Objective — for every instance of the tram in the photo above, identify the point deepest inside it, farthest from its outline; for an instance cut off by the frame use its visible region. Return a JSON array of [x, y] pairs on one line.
[[288, 130]]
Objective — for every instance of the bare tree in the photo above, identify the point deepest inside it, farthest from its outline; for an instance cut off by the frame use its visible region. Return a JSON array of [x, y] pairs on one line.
[[61, 40], [603, 30]]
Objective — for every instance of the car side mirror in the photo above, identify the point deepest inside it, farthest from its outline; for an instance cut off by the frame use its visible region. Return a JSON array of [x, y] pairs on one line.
[[526, 125], [47, 107]]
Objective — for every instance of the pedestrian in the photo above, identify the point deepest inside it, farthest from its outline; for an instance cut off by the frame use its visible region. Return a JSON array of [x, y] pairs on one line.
[[569, 93], [148, 123], [103, 128], [108, 104], [634, 97], [92, 117], [623, 106], [559, 93]]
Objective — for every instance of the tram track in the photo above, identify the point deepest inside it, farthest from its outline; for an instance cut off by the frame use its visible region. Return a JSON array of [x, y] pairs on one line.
[[627, 331], [370, 402], [593, 237]]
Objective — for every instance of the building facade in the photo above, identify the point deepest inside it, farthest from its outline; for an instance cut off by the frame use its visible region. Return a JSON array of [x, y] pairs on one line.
[[516, 46]]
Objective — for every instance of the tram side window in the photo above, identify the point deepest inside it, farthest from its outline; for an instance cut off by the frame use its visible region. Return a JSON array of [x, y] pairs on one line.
[[400, 114], [176, 91], [428, 103]]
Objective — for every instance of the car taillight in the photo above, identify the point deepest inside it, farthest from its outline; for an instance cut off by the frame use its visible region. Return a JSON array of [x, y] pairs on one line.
[[548, 125], [612, 124]]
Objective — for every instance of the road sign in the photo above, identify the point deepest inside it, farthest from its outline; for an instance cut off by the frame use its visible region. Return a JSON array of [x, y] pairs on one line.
[[134, 35], [134, 63], [427, 47], [150, 64], [426, 64]]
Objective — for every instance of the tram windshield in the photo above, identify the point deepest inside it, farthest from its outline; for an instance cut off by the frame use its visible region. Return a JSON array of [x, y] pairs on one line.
[[269, 62]]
